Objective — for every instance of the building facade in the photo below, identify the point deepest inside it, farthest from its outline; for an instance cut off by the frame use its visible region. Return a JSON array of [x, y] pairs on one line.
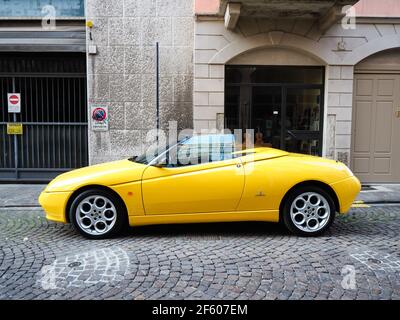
[[315, 77], [304, 77], [43, 65], [298, 73]]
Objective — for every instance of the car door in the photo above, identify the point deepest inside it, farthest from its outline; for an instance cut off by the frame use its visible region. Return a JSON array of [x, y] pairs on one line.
[[214, 185]]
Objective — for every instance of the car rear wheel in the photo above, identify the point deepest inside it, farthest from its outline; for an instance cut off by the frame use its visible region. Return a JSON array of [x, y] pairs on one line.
[[97, 214], [308, 211]]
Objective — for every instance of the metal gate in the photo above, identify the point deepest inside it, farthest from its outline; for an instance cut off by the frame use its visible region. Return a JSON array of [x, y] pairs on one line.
[[53, 115]]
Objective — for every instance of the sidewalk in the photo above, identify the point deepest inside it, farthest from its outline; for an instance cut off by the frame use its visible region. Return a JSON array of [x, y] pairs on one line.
[[26, 195], [20, 195], [386, 193]]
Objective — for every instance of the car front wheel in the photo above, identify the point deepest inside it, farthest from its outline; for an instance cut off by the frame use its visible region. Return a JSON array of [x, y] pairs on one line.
[[97, 214], [308, 211]]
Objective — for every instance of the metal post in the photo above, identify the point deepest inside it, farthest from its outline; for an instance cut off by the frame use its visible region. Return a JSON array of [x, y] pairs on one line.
[[15, 136], [157, 89]]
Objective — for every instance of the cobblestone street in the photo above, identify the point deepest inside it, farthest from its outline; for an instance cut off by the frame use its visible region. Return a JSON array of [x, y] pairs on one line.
[[44, 260]]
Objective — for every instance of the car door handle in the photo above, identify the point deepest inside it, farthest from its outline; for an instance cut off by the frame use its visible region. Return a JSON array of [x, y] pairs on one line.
[[238, 165]]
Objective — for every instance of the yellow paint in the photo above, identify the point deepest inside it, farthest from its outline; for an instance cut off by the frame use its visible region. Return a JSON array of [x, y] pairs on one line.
[[54, 204], [15, 128], [360, 205], [191, 189], [134, 201], [266, 215], [250, 187], [106, 174]]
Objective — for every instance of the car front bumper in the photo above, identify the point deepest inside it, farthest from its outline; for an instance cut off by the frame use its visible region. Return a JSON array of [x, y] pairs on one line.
[[347, 191], [54, 205]]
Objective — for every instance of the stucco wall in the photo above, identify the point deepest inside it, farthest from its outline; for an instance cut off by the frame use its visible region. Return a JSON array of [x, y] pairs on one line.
[[378, 8], [122, 73], [216, 46]]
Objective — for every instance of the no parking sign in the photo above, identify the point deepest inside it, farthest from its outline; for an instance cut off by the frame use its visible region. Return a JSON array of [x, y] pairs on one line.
[[99, 117], [14, 102]]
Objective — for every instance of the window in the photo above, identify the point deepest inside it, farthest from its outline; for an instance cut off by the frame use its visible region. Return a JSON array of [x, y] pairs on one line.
[[201, 149], [33, 8]]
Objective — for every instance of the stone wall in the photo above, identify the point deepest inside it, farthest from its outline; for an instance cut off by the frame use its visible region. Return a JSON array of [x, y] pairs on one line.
[[122, 73], [340, 101], [338, 50]]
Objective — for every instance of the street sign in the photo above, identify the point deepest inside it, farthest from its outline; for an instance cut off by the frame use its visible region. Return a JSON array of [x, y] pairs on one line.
[[99, 115], [14, 128], [14, 102]]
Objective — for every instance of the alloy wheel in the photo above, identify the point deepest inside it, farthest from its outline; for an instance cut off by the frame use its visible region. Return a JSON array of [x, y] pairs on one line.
[[96, 215], [310, 212]]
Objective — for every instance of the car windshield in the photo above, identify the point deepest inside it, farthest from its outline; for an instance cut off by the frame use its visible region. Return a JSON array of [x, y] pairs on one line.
[[154, 151], [193, 150]]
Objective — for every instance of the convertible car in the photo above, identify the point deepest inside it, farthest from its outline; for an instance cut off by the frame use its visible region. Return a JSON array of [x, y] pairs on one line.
[[205, 178]]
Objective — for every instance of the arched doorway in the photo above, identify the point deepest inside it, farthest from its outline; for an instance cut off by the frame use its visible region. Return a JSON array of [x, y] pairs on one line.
[[375, 152]]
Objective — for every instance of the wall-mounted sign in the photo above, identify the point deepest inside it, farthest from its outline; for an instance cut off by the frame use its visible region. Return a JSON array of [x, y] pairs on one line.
[[14, 102], [99, 115], [14, 128]]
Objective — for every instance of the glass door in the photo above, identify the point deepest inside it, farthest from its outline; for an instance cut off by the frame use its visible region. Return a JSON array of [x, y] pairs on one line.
[[266, 113], [283, 105], [303, 120]]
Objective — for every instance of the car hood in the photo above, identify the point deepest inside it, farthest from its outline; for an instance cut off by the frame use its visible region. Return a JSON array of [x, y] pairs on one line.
[[106, 174]]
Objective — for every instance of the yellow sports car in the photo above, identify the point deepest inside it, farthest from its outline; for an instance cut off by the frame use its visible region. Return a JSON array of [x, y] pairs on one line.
[[202, 179]]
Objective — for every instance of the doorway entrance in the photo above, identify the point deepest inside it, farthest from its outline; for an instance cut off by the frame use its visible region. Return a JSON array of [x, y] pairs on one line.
[[283, 105], [376, 127]]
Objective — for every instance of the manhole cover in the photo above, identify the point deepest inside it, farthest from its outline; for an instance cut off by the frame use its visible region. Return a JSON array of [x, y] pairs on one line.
[[74, 264], [90, 267], [375, 261]]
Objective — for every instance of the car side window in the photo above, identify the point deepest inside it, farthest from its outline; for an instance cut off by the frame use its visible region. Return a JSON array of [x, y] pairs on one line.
[[205, 149]]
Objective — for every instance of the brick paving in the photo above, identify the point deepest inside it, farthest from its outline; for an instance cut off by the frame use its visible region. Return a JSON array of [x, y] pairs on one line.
[[45, 260]]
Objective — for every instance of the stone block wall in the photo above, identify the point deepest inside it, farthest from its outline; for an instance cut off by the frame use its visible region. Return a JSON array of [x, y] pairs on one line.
[[340, 101], [122, 73]]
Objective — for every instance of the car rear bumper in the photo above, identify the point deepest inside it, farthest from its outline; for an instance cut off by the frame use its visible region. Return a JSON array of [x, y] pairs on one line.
[[347, 191], [54, 204]]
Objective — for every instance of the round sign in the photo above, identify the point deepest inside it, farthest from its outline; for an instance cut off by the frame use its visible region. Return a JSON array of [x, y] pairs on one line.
[[14, 99], [99, 114]]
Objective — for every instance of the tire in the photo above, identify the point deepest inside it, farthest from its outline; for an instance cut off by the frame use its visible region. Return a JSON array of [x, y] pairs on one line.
[[308, 211], [97, 214]]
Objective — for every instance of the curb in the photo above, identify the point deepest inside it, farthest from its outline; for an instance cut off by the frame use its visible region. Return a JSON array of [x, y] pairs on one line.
[[20, 206]]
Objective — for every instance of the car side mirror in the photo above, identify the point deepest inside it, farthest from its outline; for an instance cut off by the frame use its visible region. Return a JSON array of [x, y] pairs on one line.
[[159, 165]]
